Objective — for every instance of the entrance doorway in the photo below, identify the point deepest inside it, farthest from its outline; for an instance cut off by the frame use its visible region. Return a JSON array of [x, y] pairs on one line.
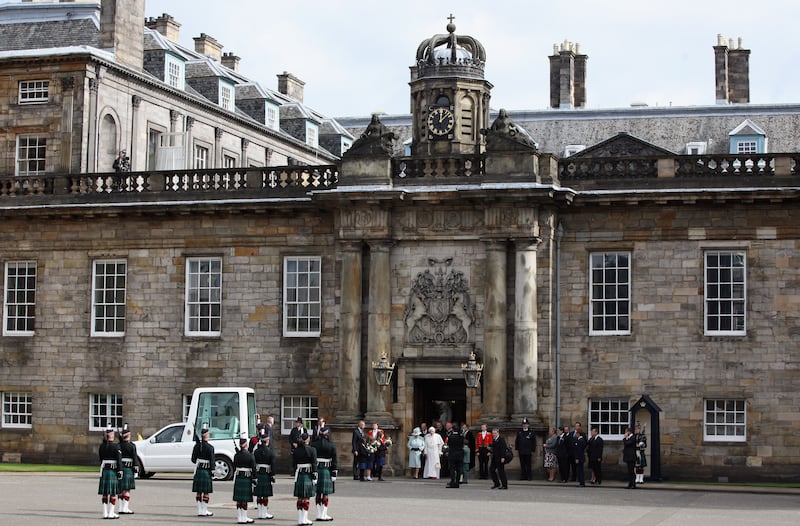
[[439, 399]]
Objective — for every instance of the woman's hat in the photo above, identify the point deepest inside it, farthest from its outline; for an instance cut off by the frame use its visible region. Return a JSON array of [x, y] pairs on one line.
[[416, 432]]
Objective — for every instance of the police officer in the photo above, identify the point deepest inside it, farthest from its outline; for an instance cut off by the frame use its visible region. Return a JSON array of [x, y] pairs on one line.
[[130, 465], [265, 469], [110, 472], [203, 458], [525, 444], [455, 447], [327, 469]]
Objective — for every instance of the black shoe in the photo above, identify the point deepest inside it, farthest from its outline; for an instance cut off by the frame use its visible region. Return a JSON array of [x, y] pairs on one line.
[[581, 485], [504, 487], [495, 486]]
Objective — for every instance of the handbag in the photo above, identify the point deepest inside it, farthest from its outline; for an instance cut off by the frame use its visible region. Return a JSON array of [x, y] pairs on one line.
[[509, 456]]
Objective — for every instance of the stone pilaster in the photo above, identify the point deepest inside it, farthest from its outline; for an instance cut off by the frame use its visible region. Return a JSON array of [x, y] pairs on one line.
[[526, 355], [94, 85], [494, 372], [379, 338], [350, 333]]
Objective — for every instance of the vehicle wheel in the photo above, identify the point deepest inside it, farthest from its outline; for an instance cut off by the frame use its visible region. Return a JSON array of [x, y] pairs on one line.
[[145, 474], [223, 469]]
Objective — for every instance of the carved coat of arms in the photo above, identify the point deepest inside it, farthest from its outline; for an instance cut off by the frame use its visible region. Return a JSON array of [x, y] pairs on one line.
[[439, 310]]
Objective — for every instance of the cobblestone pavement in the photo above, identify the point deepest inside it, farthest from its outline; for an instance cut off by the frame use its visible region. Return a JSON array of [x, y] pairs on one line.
[[71, 499]]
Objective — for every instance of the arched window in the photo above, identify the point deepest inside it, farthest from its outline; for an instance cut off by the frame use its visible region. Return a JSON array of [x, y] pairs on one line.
[[467, 117], [108, 143]]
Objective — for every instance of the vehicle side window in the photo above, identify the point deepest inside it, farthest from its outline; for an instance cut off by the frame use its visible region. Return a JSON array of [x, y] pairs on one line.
[[170, 435]]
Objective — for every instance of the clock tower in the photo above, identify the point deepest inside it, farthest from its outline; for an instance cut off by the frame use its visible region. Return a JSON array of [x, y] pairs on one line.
[[449, 96]]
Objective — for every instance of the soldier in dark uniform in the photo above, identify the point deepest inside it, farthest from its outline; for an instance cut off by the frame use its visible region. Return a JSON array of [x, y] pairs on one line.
[[525, 444], [203, 457], [130, 465], [265, 469], [304, 462], [110, 473], [498, 466], [455, 446], [327, 468], [244, 465]]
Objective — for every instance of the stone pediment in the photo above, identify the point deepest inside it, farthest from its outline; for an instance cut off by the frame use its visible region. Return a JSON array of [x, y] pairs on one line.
[[623, 145]]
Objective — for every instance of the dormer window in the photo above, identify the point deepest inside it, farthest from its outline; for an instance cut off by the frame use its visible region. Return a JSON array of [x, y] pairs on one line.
[[696, 148], [312, 135], [272, 121], [572, 149], [175, 72], [748, 139], [226, 96]]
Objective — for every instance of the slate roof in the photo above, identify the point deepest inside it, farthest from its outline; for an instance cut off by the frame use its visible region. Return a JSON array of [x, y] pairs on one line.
[[37, 35]]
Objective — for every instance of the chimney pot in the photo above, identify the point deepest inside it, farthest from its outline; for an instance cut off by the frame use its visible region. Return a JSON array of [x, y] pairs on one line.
[[290, 86], [208, 46]]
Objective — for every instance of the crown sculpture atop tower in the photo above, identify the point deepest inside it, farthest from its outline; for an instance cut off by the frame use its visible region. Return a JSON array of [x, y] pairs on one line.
[[462, 54]]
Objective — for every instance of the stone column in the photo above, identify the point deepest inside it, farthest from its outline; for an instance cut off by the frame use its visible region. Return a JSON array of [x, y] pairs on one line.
[[494, 372], [91, 160], [379, 330], [526, 355], [217, 148], [136, 102], [350, 333]]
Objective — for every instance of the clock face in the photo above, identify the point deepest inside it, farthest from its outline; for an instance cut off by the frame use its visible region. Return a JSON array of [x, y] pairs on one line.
[[440, 122]]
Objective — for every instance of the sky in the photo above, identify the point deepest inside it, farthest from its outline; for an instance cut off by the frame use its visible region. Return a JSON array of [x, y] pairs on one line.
[[354, 55]]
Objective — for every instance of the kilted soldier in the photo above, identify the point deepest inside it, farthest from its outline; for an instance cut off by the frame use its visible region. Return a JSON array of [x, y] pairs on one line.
[[265, 462], [130, 465], [304, 462], [244, 465], [110, 473], [203, 458], [327, 469]]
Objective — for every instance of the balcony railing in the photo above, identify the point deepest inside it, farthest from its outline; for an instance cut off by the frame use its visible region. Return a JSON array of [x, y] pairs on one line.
[[412, 170], [278, 181], [735, 165]]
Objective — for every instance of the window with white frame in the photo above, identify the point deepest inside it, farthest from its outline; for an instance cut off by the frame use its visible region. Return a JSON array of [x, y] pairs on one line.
[[272, 117], [609, 416], [306, 407], [203, 296], [696, 148], [34, 91], [725, 301], [17, 410], [175, 73], [312, 135], [226, 97], [31, 155], [610, 293], [109, 280], [19, 302], [228, 161], [724, 420], [200, 157], [747, 147], [301, 296], [105, 409]]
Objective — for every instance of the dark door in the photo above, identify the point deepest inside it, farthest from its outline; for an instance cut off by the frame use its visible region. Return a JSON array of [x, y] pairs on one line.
[[439, 399]]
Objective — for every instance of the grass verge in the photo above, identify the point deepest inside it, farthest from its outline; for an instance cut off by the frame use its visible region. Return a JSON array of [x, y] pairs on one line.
[[43, 468]]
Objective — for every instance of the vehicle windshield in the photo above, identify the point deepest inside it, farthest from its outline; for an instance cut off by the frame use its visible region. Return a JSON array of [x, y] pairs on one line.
[[220, 412]]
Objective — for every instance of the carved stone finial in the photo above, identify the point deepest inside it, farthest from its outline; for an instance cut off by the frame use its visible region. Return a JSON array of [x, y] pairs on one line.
[[505, 134]]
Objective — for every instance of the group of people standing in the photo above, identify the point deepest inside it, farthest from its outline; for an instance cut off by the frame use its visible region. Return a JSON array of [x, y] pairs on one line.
[[118, 464], [370, 450]]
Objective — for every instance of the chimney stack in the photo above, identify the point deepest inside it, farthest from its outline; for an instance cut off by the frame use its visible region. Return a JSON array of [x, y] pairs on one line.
[[567, 76], [206, 45], [166, 25], [732, 72], [231, 61], [290, 86], [122, 30]]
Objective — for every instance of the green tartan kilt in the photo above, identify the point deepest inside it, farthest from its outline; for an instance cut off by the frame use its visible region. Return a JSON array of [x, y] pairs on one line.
[[303, 487], [264, 486], [243, 489], [109, 483], [324, 482], [201, 483], [128, 479]]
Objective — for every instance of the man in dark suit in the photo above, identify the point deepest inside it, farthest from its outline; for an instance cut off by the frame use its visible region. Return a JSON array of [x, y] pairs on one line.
[[296, 432], [579, 453], [455, 458], [469, 441], [358, 438], [629, 456], [594, 450], [498, 467], [562, 455], [525, 444]]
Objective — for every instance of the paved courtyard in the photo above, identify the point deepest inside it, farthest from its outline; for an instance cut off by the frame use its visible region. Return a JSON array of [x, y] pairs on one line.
[[71, 499]]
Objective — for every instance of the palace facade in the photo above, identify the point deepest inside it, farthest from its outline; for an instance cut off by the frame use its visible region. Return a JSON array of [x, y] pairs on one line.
[[603, 266]]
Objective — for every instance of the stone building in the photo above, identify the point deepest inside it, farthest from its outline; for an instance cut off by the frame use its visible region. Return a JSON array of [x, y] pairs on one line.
[[597, 276]]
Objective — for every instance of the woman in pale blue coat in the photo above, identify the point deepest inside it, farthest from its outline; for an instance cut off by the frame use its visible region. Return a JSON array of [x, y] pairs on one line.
[[415, 446]]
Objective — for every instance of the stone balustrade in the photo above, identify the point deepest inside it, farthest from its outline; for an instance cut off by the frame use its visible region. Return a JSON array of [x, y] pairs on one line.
[[407, 168]]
